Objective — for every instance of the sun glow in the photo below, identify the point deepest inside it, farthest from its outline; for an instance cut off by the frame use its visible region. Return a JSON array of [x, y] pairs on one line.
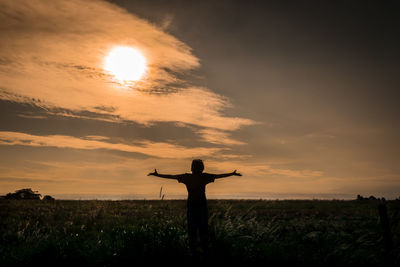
[[126, 64]]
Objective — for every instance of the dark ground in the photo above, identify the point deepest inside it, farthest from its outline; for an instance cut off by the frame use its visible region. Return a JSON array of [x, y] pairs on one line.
[[242, 232]]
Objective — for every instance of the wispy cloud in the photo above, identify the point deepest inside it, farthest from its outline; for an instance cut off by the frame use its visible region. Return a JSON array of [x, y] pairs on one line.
[[155, 149], [266, 169], [52, 53], [218, 137]]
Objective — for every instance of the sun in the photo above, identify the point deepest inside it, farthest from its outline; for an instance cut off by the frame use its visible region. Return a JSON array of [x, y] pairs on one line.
[[126, 63]]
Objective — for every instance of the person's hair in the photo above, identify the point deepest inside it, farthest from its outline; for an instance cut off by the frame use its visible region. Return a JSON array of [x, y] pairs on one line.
[[197, 166]]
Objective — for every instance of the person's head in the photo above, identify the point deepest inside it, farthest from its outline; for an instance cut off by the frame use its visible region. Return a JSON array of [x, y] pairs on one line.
[[197, 166]]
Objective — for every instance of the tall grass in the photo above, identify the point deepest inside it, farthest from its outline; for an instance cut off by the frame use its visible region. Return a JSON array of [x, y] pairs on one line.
[[114, 233]]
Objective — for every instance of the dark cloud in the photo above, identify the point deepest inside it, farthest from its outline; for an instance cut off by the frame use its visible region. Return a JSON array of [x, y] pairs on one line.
[[28, 118]]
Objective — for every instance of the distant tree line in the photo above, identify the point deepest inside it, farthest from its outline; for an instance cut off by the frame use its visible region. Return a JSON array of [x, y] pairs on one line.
[[26, 193], [360, 197]]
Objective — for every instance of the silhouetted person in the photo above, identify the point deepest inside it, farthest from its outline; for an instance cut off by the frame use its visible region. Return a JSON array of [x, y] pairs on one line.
[[197, 214]]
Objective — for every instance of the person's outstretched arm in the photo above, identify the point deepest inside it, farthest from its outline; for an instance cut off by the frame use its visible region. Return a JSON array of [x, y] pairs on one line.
[[168, 176], [227, 174]]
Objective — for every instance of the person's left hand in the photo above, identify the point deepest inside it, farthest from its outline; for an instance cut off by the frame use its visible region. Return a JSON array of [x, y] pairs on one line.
[[236, 173]]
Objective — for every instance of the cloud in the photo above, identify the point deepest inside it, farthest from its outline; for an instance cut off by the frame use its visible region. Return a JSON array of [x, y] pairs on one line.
[[52, 53], [218, 137], [257, 168], [155, 149]]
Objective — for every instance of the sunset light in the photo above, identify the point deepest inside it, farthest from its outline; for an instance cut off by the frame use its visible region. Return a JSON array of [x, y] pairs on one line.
[[199, 133], [126, 64]]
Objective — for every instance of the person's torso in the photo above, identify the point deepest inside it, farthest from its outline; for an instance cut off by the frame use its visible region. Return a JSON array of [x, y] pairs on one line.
[[196, 184]]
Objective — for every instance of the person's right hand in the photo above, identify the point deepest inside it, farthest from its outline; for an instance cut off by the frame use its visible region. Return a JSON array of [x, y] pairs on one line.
[[155, 173]]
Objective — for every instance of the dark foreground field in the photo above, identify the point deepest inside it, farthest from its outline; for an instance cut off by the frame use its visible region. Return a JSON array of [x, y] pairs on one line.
[[268, 233]]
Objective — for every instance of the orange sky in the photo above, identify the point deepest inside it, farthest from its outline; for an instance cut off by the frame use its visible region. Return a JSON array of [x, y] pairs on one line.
[[294, 126]]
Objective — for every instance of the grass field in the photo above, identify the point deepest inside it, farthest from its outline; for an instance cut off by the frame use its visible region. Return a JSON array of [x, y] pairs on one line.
[[247, 232]]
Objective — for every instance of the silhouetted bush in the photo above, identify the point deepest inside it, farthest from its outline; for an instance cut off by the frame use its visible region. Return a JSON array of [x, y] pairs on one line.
[[48, 198], [26, 193], [359, 197]]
